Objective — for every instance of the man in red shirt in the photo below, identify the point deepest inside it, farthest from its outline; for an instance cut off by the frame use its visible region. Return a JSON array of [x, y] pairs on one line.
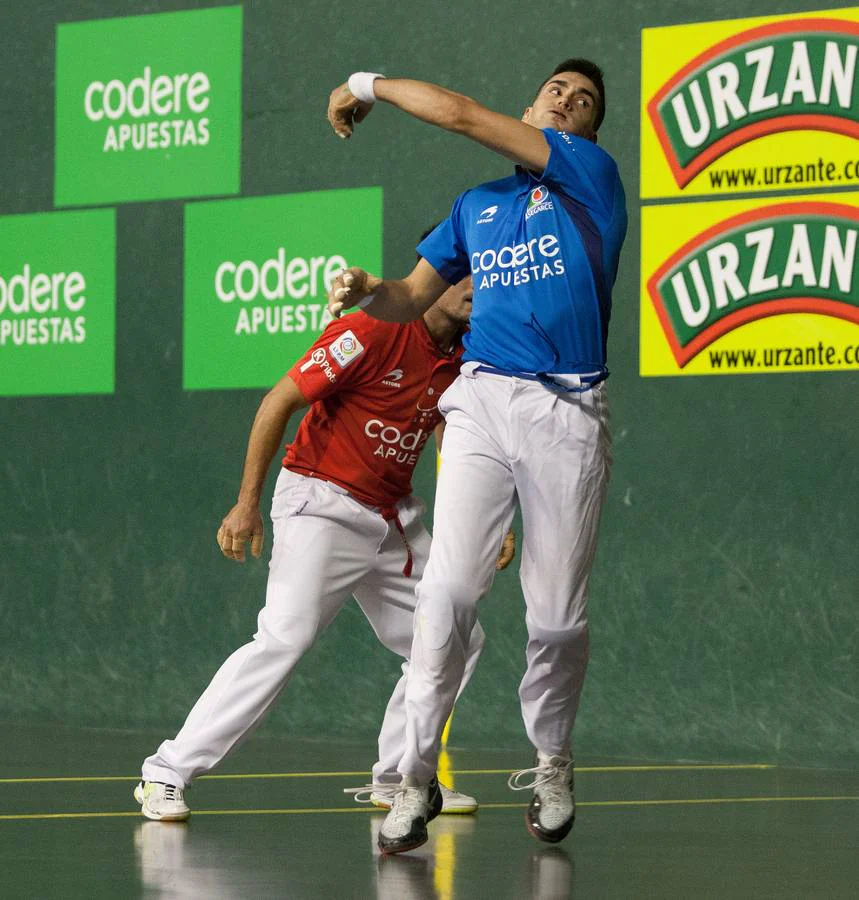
[[345, 523]]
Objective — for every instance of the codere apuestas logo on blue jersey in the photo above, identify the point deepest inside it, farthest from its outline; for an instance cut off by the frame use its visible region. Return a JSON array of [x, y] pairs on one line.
[[518, 264]]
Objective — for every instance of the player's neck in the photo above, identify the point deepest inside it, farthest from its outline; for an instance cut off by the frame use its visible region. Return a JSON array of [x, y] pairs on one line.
[[442, 329]]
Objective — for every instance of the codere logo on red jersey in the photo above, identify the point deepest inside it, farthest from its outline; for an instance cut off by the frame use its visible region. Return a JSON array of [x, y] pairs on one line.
[[403, 448], [789, 258], [784, 76]]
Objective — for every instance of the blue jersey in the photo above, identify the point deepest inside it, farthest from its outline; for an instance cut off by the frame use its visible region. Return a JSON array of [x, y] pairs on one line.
[[543, 253]]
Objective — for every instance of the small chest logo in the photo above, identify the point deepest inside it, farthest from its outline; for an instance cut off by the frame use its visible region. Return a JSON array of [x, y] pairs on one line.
[[488, 215], [392, 379], [538, 202], [346, 349]]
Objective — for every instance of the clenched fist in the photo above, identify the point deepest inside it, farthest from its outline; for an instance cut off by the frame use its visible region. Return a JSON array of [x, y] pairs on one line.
[[345, 111], [352, 287]]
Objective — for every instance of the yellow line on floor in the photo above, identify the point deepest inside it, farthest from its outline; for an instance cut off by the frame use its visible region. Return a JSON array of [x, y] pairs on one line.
[[702, 801], [365, 774]]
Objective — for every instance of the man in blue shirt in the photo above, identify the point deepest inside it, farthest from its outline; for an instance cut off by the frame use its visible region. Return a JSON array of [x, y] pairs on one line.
[[526, 419]]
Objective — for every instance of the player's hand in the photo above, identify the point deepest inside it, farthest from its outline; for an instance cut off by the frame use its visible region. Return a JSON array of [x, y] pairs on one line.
[[241, 524], [345, 111], [507, 551], [348, 289]]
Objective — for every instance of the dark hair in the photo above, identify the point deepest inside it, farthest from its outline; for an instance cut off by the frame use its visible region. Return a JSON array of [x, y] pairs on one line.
[[589, 70]]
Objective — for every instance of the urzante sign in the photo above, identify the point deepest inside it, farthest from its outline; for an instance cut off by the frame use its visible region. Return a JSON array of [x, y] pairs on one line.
[[149, 107], [743, 105], [57, 303], [757, 286], [257, 273]]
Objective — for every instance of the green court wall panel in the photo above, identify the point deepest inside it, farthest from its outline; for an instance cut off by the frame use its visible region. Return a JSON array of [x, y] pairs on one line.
[[723, 615]]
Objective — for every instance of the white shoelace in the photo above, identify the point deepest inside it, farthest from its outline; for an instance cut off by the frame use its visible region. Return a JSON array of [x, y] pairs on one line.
[[554, 777], [406, 806], [364, 794]]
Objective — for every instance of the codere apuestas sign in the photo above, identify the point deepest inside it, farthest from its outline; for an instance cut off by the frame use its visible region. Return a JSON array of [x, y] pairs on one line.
[[149, 107], [257, 273], [784, 78]]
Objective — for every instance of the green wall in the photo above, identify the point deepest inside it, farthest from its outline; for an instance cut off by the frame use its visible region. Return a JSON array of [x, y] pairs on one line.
[[724, 601]]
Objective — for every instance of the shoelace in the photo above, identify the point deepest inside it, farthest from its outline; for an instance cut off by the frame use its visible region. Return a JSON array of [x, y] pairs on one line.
[[362, 794], [541, 775], [404, 807]]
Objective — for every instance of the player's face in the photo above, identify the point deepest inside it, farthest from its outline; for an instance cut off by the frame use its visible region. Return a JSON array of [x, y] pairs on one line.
[[567, 102], [455, 302]]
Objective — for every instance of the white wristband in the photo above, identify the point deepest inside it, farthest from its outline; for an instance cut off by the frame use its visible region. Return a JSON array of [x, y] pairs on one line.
[[361, 85]]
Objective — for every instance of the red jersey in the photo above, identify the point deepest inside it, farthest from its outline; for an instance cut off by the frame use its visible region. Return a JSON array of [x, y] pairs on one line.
[[375, 388]]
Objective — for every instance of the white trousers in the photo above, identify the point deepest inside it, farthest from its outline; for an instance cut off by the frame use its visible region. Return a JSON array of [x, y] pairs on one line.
[[326, 547], [509, 438]]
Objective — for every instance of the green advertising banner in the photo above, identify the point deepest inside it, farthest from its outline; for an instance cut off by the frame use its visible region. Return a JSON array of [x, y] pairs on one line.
[[149, 107], [57, 303], [257, 272]]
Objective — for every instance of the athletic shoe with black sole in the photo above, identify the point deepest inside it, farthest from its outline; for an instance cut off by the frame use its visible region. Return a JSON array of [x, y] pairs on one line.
[[552, 811], [405, 826], [454, 803]]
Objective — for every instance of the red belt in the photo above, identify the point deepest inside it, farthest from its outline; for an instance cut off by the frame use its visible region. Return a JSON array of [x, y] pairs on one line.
[[389, 514]]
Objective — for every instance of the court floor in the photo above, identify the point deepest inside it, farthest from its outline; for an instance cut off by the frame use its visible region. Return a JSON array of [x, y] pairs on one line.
[[274, 822]]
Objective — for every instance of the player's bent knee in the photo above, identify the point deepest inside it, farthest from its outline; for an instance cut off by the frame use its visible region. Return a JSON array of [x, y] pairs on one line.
[[445, 626], [291, 635], [572, 636]]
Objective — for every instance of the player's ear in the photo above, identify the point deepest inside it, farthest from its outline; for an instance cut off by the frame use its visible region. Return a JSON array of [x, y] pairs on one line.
[[526, 116]]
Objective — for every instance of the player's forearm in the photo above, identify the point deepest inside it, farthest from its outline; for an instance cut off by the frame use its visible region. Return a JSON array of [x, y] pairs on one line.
[[265, 439], [521, 143], [394, 301], [428, 102]]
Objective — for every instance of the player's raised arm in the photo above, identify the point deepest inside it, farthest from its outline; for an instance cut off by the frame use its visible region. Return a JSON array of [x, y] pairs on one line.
[[400, 300], [445, 109], [567, 101], [243, 522]]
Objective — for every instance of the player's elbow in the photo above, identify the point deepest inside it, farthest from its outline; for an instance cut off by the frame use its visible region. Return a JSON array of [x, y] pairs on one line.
[[460, 113]]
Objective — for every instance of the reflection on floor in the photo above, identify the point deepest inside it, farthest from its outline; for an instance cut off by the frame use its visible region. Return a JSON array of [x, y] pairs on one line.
[[274, 823]]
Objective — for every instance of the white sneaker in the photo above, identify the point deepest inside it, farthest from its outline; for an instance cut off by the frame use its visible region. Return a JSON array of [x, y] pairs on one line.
[[161, 802], [453, 803], [405, 826], [552, 811]]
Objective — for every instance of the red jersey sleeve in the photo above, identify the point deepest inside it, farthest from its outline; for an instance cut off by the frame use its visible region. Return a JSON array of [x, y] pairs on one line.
[[347, 353]]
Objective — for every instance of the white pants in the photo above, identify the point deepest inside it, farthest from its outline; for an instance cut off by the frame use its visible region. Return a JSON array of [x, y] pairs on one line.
[[509, 438], [326, 547]]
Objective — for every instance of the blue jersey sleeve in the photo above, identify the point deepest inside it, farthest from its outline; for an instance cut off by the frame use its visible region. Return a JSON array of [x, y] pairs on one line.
[[444, 248], [582, 170]]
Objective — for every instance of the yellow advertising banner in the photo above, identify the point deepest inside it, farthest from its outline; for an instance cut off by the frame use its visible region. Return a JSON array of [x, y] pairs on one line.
[[763, 104], [750, 286]]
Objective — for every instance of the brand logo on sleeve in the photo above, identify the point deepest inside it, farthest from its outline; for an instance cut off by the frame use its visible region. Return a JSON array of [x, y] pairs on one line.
[[346, 349], [538, 202]]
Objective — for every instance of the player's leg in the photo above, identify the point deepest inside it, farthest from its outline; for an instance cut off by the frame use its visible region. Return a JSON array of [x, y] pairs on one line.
[[561, 476], [473, 510], [320, 553], [387, 598]]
